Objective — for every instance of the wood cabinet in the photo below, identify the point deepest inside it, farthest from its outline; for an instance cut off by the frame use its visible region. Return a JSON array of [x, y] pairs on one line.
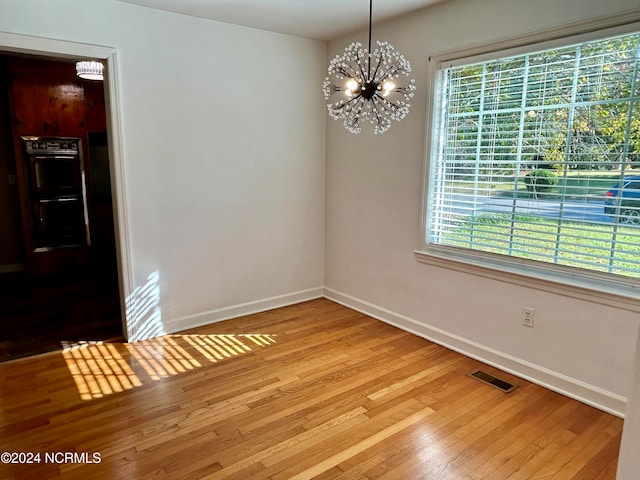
[[95, 110], [11, 248], [47, 98]]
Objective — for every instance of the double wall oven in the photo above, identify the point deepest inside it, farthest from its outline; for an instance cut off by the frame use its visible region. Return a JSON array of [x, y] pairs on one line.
[[55, 215]]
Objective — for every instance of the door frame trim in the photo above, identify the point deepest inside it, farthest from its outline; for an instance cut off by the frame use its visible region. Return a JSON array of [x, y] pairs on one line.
[[16, 43]]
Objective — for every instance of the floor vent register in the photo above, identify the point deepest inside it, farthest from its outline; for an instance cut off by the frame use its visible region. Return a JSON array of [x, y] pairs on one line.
[[506, 387]]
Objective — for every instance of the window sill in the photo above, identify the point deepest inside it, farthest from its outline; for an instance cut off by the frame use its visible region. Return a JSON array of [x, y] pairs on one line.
[[598, 290]]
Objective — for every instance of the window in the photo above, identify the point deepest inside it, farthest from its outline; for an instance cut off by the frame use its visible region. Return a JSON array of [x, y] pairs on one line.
[[535, 161]]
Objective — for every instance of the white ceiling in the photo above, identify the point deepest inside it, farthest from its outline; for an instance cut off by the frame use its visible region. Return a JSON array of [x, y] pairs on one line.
[[317, 19]]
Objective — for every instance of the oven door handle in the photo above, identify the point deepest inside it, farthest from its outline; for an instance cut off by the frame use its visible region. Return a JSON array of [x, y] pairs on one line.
[[59, 199]]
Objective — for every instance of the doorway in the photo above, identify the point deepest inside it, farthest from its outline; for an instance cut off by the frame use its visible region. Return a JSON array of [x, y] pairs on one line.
[[63, 302]]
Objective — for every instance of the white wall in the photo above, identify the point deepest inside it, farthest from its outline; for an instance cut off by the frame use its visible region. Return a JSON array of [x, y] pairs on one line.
[[629, 460], [223, 155], [374, 197]]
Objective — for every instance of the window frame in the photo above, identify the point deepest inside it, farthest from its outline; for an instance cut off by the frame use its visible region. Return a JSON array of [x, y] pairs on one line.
[[580, 283]]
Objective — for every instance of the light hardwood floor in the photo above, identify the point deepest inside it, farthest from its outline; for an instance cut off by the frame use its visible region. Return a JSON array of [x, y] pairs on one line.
[[314, 390]]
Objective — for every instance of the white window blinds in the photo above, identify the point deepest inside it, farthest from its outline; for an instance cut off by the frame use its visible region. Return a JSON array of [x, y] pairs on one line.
[[537, 157]]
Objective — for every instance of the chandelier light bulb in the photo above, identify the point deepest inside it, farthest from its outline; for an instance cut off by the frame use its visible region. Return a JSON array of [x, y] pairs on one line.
[[352, 85]]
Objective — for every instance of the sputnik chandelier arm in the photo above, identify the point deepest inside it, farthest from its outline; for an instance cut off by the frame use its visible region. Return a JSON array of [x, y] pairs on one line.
[[366, 96]]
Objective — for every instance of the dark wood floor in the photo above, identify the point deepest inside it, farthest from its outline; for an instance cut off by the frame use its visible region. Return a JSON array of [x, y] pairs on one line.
[[314, 390], [41, 315]]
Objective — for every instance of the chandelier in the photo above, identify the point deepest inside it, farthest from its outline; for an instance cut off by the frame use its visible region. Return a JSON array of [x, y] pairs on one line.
[[367, 83], [90, 70]]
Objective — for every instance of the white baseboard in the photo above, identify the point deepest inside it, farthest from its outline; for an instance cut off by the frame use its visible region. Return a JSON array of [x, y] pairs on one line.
[[227, 313], [570, 387]]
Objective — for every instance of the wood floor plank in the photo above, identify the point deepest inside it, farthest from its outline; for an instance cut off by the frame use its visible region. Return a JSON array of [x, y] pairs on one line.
[[451, 448], [322, 452], [313, 390], [362, 446], [526, 455], [281, 451]]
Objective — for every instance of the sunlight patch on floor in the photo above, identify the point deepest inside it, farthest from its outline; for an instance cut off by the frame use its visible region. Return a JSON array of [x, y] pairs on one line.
[[101, 369], [218, 347]]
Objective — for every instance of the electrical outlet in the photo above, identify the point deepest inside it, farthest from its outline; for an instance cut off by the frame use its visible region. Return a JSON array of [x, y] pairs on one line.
[[11, 179], [527, 316]]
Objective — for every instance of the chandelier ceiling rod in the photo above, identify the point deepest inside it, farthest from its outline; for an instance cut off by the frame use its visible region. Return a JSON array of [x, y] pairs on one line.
[[370, 22]]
